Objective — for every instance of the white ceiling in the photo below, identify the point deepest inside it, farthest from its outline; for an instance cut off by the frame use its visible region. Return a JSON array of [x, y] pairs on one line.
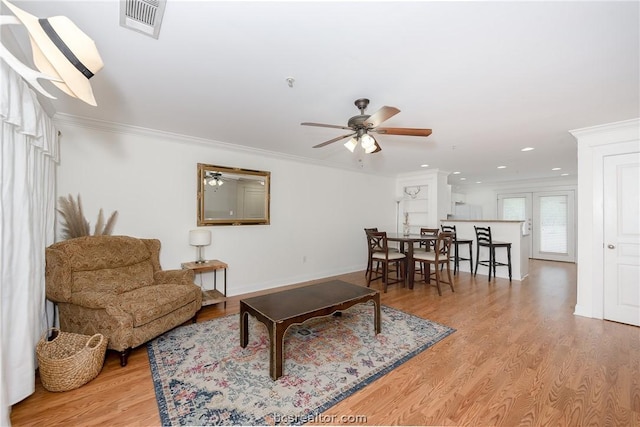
[[488, 77]]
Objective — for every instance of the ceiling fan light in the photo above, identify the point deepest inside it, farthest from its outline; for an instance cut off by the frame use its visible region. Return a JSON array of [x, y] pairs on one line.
[[372, 148], [351, 144], [367, 142]]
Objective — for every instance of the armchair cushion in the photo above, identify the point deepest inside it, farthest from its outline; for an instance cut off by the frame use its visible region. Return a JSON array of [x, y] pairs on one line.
[[151, 303]]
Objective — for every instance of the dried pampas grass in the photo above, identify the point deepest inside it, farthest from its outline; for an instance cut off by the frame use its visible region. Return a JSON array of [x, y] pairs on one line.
[[74, 224]]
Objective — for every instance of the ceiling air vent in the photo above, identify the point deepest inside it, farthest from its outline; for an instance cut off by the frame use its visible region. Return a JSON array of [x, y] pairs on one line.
[[144, 16]]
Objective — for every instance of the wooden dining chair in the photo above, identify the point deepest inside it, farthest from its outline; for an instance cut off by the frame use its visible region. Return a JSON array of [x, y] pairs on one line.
[[370, 252], [438, 257], [427, 245], [369, 260], [380, 252]]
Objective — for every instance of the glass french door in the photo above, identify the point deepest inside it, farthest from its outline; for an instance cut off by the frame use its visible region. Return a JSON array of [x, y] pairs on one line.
[[517, 207], [553, 222], [549, 219]]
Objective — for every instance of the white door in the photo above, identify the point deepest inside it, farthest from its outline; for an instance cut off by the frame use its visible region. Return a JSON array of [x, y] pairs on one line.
[[622, 238], [254, 207], [553, 225]]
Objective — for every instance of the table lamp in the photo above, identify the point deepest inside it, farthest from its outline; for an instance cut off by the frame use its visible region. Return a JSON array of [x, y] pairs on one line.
[[200, 238]]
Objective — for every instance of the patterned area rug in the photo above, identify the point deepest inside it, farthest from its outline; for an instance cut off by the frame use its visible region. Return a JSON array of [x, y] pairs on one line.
[[203, 377]]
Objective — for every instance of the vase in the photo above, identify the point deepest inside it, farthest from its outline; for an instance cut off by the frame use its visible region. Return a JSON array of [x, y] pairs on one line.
[[405, 229]]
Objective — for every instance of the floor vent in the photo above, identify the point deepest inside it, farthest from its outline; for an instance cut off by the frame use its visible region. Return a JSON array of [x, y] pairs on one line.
[[144, 16]]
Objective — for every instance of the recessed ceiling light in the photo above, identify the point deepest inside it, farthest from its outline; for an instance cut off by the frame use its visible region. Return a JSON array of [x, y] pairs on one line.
[[463, 179], [424, 166], [527, 149], [456, 173], [564, 174], [502, 167], [478, 182], [556, 169]]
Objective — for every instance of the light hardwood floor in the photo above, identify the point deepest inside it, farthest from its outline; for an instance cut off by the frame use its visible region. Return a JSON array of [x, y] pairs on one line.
[[519, 357]]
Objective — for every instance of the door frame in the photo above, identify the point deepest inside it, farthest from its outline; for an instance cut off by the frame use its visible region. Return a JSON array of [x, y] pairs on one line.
[[594, 143]]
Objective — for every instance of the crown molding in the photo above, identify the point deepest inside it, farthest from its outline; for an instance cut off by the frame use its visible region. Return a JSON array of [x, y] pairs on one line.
[[119, 128], [626, 130]]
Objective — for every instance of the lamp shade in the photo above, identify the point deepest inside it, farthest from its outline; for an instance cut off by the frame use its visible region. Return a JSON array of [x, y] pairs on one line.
[[372, 148], [351, 144], [367, 141], [199, 237]]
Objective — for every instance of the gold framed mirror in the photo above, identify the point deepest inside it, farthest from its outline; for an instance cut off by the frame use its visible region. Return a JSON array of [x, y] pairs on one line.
[[232, 196]]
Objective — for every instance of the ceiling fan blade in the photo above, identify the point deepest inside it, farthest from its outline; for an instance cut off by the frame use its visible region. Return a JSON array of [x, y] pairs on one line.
[[322, 125], [322, 144], [402, 131], [380, 116]]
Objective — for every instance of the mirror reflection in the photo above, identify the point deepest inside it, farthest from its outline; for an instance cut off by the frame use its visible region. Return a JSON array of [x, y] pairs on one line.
[[232, 196]]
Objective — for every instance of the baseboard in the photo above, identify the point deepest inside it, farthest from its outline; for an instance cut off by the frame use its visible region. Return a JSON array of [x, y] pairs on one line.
[[293, 280], [582, 311]]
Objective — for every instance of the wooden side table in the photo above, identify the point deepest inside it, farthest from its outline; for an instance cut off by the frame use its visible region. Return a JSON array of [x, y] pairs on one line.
[[210, 296]]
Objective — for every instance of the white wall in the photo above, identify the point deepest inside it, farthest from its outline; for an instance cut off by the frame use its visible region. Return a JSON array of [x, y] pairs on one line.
[[317, 213], [485, 198], [438, 197]]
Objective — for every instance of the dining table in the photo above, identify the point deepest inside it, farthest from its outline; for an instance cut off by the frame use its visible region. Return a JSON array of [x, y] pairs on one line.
[[409, 241]]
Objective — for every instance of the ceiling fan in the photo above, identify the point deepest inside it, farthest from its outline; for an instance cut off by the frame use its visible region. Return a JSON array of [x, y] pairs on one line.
[[362, 124], [214, 179]]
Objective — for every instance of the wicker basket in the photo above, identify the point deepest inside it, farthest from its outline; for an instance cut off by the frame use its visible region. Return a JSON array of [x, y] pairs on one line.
[[69, 360]]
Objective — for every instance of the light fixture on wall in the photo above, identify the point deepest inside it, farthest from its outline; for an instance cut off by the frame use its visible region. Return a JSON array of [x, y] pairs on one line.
[[200, 238]]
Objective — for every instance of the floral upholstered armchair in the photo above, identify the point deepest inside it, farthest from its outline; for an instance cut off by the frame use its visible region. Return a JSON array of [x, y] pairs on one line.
[[113, 285]]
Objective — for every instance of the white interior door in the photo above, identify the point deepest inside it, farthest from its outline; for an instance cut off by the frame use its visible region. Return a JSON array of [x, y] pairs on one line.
[[553, 225], [622, 238], [253, 204]]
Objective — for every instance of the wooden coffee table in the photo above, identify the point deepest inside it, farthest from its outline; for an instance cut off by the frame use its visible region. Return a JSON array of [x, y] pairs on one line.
[[279, 310]]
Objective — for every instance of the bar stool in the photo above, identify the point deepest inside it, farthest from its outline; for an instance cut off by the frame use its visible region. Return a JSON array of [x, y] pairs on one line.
[[456, 251], [483, 238]]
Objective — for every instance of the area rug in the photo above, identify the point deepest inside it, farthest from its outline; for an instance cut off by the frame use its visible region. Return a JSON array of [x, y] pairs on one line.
[[202, 376]]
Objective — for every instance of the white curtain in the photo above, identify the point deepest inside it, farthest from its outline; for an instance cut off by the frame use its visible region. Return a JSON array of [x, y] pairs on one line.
[[28, 154]]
